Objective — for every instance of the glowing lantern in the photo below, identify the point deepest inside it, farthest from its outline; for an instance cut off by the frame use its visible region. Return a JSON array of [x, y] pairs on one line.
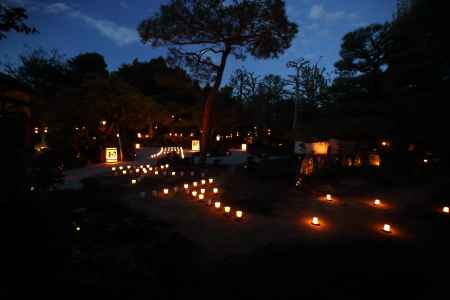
[[78, 228], [202, 191], [162, 166], [217, 204], [239, 214], [210, 180], [138, 170], [315, 221], [120, 168], [201, 197], [203, 181], [128, 167], [137, 146], [227, 210], [374, 160], [151, 169], [445, 209], [377, 202], [186, 186], [111, 155], [124, 172], [328, 197], [173, 173], [113, 169], [425, 161], [166, 191], [144, 170], [387, 228], [139, 135], [156, 172], [215, 190], [244, 147], [133, 181], [195, 145], [218, 138], [195, 183], [167, 165], [194, 193]]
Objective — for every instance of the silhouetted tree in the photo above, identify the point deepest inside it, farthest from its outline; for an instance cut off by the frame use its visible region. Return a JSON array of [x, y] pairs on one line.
[[214, 29], [12, 19]]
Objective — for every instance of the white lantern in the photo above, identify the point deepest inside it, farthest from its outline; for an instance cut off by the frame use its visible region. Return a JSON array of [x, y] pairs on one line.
[[328, 197], [217, 204], [194, 193], [315, 221], [377, 202], [210, 180], [195, 184], [166, 191], [445, 209], [202, 191], [227, 210], [203, 181], [186, 186], [215, 190], [387, 228], [239, 214], [201, 197]]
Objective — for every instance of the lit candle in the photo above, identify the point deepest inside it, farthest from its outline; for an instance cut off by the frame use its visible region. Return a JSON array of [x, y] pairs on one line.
[[166, 191], [328, 197], [173, 173], [133, 181], [227, 210], [162, 166], [445, 209], [124, 172], [120, 168], [128, 167], [167, 165], [194, 193], [210, 180], [315, 221], [387, 228], [217, 204], [377, 202], [202, 191], [203, 181], [113, 169], [151, 168], [201, 197], [194, 183], [215, 190], [239, 214], [186, 186], [156, 172], [137, 170]]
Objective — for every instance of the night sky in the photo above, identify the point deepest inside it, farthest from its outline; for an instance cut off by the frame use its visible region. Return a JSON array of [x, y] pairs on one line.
[[109, 27]]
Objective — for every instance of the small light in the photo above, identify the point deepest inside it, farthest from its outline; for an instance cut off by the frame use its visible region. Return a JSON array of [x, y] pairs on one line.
[[139, 135], [128, 167], [239, 214], [315, 221], [133, 181], [167, 165], [186, 186], [103, 122], [328, 197], [138, 170], [144, 170], [210, 180], [387, 228], [445, 209], [244, 147], [384, 143], [32, 189], [203, 181], [156, 172], [202, 191], [113, 169], [227, 210], [377, 202], [215, 190], [217, 204], [194, 193], [162, 166], [201, 197], [166, 191], [137, 146], [425, 160], [120, 168], [78, 228], [195, 184], [124, 172], [173, 173]]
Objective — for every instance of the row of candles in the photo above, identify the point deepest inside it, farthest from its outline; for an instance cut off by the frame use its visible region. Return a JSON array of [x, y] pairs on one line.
[[377, 203], [168, 150]]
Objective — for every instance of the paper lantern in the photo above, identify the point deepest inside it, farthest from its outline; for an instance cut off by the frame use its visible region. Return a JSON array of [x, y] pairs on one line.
[[244, 147], [111, 155], [328, 197], [239, 214], [173, 173], [151, 169], [133, 181], [167, 165], [377, 202], [445, 209], [210, 180], [194, 193], [195, 183], [128, 167], [113, 169], [227, 210], [203, 181], [202, 191], [315, 221], [137, 146], [387, 228], [161, 166], [120, 168], [166, 191], [144, 170], [201, 197], [156, 172], [217, 204], [186, 186], [124, 172], [138, 170], [215, 190]]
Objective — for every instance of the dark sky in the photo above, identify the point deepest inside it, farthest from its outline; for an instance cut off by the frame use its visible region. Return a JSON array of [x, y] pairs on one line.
[[109, 27]]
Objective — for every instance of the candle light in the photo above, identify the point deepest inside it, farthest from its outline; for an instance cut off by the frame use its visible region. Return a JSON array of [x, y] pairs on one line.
[[227, 210], [124, 172], [167, 165], [215, 190], [210, 180], [151, 168], [445, 209], [202, 191], [201, 197], [203, 181], [120, 168], [133, 181], [315, 221], [377, 202], [128, 167], [166, 191], [173, 173], [195, 183], [194, 193], [186, 186], [217, 204], [113, 169], [156, 172], [387, 228], [137, 170], [328, 197], [239, 214]]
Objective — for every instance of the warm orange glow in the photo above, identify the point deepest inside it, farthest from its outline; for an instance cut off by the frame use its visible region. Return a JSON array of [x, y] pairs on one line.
[[194, 193], [120, 167], [195, 145], [111, 155], [202, 191], [425, 161], [374, 160], [166, 191], [239, 214], [217, 204], [137, 146], [377, 202], [328, 197], [244, 147], [133, 181], [195, 184], [210, 180], [128, 167], [113, 169], [139, 135], [156, 172], [387, 228], [445, 209], [320, 148], [203, 181], [215, 190], [227, 210], [315, 221], [201, 197], [186, 186]]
